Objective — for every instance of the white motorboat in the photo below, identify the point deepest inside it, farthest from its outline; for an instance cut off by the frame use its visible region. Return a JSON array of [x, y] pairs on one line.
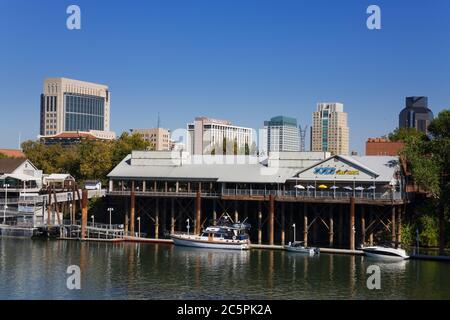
[[297, 246], [385, 253], [224, 235]]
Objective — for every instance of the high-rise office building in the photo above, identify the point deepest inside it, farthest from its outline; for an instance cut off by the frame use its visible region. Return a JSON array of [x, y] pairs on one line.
[[75, 106], [416, 114], [158, 138], [206, 136], [282, 134], [329, 131]]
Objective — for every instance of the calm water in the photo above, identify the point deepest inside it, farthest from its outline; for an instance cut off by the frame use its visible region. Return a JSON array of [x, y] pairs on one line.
[[37, 270]]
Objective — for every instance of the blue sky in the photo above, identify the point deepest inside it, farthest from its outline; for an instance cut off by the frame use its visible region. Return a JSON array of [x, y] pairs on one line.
[[242, 60]]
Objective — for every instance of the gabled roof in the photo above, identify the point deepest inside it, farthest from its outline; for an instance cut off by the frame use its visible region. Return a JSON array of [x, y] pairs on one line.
[[9, 165]]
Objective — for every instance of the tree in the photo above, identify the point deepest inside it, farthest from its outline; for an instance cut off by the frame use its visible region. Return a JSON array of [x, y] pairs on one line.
[[401, 134], [429, 158]]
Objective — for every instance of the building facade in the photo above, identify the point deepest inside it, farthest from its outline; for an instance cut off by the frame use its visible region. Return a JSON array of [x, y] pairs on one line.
[[282, 134], [383, 147], [416, 114], [206, 136], [158, 138], [75, 106], [329, 131]]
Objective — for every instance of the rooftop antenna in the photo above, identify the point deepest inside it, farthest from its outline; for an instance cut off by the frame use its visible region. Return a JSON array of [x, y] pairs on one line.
[[159, 122], [302, 132]]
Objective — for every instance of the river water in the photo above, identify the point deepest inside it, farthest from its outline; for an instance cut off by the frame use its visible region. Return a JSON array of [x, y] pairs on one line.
[[38, 270]]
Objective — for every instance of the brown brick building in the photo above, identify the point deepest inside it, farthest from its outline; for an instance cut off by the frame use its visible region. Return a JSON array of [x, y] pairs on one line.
[[383, 147]]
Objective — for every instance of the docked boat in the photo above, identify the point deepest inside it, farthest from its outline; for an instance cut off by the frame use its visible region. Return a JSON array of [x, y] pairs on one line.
[[297, 246], [385, 253], [224, 235]]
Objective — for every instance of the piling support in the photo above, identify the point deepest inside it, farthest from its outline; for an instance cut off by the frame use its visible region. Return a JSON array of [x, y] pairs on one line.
[[198, 209], [393, 230], [172, 216], [84, 213], [283, 223], [371, 222], [341, 225], [214, 212], [331, 228], [352, 227], [132, 210], [259, 223], [271, 219], [305, 225], [236, 212], [363, 225], [399, 223], [157, 219]]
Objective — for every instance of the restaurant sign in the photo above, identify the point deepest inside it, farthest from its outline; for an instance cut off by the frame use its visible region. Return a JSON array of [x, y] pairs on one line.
[[334, 171]]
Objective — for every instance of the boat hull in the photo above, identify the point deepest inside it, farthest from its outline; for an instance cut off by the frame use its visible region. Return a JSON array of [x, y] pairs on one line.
[[310, 251], [205, 244], [391, 255]]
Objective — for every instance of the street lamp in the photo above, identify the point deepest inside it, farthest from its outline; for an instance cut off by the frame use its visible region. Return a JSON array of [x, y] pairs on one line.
[[188, 226], [110, 210], [139, 226], [92, 217], [6, 202]]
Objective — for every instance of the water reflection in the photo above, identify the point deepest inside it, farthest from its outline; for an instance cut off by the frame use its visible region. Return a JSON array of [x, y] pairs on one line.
[[37, 270]]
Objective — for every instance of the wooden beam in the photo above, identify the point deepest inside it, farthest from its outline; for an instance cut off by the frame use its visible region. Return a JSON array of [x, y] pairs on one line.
[[352, 227], [363, 225], [84, 213], [341, 225], [393, 230], [132, 210], [305, 225], [259, 223], [172, 215], [331, 228], [283, 224], [157, 219], [198, 216], [271, 219]]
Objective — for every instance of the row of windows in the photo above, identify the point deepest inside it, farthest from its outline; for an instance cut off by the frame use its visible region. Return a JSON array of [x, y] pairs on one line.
[[50, 104], [82, 122], [85, 104]]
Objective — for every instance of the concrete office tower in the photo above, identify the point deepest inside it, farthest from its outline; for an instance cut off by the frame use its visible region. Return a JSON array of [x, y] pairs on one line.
[[70, 105], [282, 134], [158, 138], [416, 114], [329, 131], [206, 136]]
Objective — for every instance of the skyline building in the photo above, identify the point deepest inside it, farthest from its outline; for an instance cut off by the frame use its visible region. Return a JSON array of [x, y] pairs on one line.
[[329, 131], [69, 105], [207, 135], [159, 138], [416, 114], [282, 134]]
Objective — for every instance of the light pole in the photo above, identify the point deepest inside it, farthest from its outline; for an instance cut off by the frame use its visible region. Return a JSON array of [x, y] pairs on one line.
[[110, 210], [139, 226], [6, 202], [93, 221], [294, 231], [188, 226]]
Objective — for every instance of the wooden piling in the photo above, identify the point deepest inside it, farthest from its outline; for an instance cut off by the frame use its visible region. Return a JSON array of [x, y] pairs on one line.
[[157, 219], [352, 227], [363, 225], [172, 215], [271, 219], [331, 228], [305, 225], [393, 230], [399, 223], [259, 223], [132, 210], [341, 225], [198, 217], [283, 223], [84, 214]]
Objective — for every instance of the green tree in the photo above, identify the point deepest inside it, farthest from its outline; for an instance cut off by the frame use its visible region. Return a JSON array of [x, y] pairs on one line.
[[401, 134], [429, 158]]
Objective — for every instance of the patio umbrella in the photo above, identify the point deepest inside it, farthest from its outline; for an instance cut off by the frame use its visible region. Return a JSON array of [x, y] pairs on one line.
[[299, 186], [348, 188], [310, 187], [334, 187], [371, 188], [360, 188], [322, 186]]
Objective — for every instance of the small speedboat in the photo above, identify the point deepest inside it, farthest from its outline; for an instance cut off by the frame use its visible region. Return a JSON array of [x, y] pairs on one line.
[[385, 253], [298, 247], [224, 235]]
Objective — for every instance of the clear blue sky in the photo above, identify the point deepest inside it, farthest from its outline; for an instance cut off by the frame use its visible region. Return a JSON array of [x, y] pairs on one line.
[[242, 60]]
